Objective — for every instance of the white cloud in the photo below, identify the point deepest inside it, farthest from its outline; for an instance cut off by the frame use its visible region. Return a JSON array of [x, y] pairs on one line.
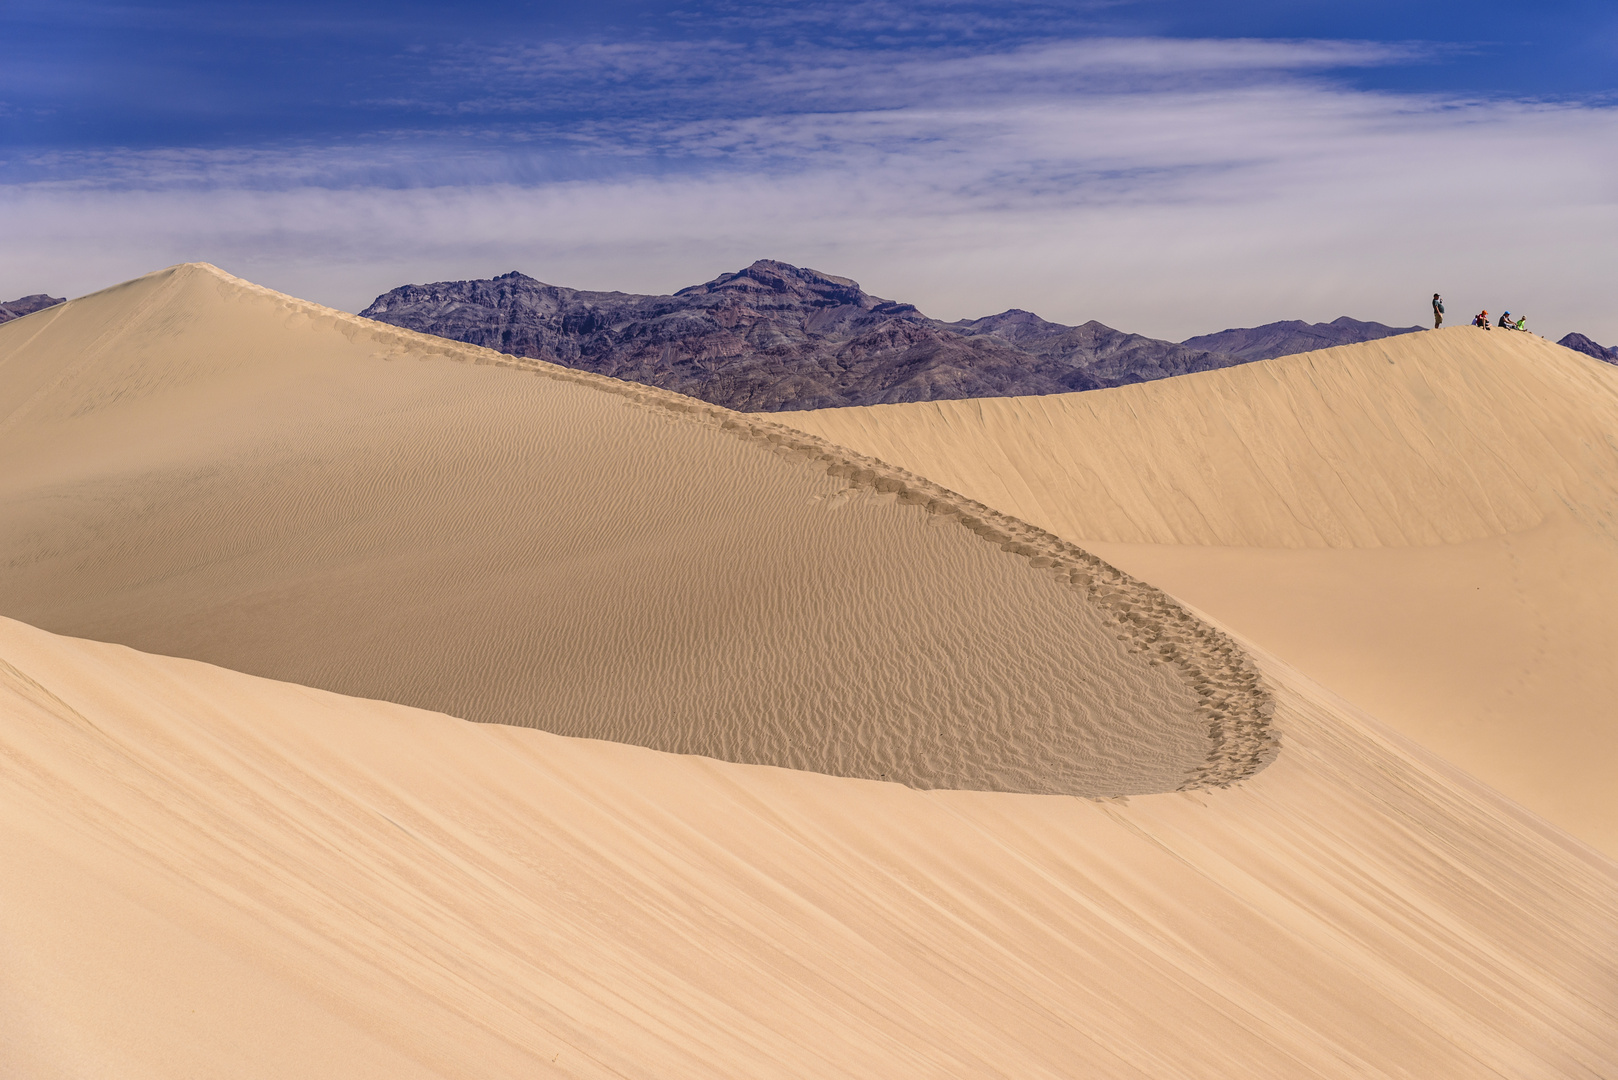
[[1180, 208], [649, 80]]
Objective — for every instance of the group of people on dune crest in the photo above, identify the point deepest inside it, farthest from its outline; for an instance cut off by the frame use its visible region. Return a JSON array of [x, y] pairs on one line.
[[1482, 318]]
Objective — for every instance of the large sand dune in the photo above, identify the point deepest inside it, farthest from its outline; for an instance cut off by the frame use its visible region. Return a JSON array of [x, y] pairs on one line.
[[1438, 437], [195, 466], [209, 874], [1427, 524]]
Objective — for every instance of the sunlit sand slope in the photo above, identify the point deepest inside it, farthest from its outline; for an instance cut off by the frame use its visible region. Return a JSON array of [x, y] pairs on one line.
[[209, 874], [1426, 524], [195, 466], [1438, 437]]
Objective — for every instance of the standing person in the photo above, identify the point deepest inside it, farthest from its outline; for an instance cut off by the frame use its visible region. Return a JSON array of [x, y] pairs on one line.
[[1438, 311]]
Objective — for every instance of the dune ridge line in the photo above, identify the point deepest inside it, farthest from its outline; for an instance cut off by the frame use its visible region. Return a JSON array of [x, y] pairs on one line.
[[1237, 706], [262, 573], [1449, 497]]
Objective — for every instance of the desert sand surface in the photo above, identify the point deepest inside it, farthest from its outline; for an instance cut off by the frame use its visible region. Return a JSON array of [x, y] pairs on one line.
[[1426, 524], [213, 874], [659, 604], [195, 466]]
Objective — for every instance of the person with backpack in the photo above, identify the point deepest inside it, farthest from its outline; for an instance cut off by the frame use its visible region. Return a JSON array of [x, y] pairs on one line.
[[1438, 311]]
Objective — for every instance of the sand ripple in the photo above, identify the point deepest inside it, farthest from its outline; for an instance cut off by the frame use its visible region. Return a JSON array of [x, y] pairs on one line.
[[300, 494]]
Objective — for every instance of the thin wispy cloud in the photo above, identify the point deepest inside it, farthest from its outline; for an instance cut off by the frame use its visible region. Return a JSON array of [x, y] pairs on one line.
[[729, 79], [1166, 213], [1171, 186], [710, 104]]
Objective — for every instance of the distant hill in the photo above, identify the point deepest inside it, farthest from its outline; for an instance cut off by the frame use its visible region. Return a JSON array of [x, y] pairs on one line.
[[775, 336], [1580, 343], [1293, 336], [27, 305]]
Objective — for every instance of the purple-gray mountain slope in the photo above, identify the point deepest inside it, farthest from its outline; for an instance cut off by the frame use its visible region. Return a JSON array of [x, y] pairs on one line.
[[27, 305], [1293, 336], [1580, 343], [775, 336]]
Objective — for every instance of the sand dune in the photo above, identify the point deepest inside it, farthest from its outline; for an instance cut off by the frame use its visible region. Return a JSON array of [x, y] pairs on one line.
[[1427, 524], [213, 874], [1437, 437], [195, 466]]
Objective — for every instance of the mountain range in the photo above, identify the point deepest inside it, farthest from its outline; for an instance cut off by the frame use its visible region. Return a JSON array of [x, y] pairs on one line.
[[27, 305], [1580, 343], [1293, 336], [778, 337]]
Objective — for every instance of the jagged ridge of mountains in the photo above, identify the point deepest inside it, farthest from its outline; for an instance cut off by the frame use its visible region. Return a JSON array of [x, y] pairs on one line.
[[1293, 336], [776, 336], [1580, 343], [27, 305]]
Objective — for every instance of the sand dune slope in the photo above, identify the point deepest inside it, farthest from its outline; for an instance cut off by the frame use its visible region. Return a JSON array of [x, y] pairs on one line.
[[1427, 524], [1438, 437], [196, 466], [211, 874]]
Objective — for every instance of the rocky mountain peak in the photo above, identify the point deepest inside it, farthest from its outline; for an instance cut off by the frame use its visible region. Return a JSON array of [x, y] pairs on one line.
[[776, 336], [1580, 343], [1013, 324], [27, 305], [773, 282]]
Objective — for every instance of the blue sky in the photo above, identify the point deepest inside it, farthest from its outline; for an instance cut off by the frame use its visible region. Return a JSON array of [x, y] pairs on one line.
[[1171, 168]]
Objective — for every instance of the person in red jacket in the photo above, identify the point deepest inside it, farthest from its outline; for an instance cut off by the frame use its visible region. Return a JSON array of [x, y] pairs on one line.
[[1482, 320]]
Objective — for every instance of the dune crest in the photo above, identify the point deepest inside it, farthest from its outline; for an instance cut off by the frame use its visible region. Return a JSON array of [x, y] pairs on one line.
[[1427, 524], [1431, 438], [199, 467], [213, 873]]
